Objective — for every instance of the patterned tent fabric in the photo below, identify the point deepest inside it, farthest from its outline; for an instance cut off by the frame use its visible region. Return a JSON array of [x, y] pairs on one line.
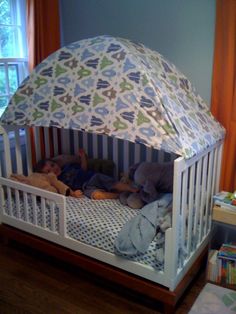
[[117, 87]]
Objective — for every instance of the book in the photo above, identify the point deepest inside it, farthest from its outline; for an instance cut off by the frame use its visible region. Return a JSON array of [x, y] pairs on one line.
[[212, 270], [227, 251], [222, 199], [221, 270], [227, 257]]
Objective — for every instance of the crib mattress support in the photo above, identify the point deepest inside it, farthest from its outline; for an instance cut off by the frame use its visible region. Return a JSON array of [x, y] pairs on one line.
[[108, 272]]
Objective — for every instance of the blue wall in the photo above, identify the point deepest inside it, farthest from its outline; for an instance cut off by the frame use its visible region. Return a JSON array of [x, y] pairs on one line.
[[181, 30]]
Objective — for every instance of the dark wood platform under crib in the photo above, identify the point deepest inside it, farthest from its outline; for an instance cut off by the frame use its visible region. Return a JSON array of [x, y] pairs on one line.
[[110, 276]]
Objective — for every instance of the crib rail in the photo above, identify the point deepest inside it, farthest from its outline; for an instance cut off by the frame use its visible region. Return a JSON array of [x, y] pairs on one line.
[[33, 208], [123, 153], [195, 182], [16, 153], [24, 146]]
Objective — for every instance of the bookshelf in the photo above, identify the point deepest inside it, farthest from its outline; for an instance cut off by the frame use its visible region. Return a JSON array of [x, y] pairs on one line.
[[222, 270], [224, 215]]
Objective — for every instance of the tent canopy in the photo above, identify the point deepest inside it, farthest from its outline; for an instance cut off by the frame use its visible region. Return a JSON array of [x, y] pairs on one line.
[[117, 87]]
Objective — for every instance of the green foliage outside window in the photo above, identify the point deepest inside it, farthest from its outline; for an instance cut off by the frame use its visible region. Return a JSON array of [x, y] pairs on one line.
[[10, 34], [6, 32]]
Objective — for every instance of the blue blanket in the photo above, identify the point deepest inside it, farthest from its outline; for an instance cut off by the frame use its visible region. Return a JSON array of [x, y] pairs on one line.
[[138, 232]]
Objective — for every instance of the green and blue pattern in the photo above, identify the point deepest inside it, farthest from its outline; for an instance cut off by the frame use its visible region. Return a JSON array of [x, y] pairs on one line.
[[114, 86]]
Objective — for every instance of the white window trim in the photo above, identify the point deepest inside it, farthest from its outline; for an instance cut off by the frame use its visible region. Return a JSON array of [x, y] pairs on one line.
[[21, 61]]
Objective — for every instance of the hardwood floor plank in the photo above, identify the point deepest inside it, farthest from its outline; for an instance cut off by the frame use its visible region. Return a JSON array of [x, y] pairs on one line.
[[31, 282]]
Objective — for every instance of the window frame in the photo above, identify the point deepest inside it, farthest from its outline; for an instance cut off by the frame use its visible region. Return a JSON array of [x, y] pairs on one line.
[[18, 17]]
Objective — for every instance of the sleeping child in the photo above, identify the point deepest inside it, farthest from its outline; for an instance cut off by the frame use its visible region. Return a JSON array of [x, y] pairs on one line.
[[83, 181]]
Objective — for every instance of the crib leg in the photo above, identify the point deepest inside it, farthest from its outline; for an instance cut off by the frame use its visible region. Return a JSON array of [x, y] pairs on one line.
[[169, 308]]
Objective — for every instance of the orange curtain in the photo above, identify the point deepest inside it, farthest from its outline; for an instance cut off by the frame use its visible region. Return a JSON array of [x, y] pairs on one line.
[[223, 104], [43, 33], [43, 27]]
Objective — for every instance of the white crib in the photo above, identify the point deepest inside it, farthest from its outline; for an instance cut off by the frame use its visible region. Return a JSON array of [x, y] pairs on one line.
[[195, 182]]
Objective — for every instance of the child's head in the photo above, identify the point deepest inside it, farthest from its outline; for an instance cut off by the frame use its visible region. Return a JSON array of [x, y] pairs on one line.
[[47, 166]]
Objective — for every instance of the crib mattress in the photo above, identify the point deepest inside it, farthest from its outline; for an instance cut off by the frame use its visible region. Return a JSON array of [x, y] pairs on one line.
[[96, 223]]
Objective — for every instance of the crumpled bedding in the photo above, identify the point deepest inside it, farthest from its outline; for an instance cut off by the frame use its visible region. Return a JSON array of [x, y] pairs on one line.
[[137, 234]]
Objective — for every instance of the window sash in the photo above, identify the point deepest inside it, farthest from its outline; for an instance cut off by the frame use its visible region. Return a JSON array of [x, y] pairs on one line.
[[19, 58]]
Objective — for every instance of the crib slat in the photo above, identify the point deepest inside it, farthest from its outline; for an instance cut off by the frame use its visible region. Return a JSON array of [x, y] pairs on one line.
[[43, 208], [26, 206], [149, 154], [2, 199], [208, 192], [161, 156], [190, 208], [38, 152], [62, 218], [203, 196], [126, 157], [197, 197], [18, 152], [65, 141], [184, 208], [28, 151], [95, 145], [52, 216], [7, 153], [46, 142], [34, 203], [115, 156], [219, 151], [104, 146], [213, 185], [9, 198], [136, 153], [76, 141], [85, 141], [17, 200], [55, 141]]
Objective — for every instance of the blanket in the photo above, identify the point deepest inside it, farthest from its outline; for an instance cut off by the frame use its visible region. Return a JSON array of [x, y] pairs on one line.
[[137, 234]]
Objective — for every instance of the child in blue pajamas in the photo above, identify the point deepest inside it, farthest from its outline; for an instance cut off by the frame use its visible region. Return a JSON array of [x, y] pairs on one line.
[[82, 181]]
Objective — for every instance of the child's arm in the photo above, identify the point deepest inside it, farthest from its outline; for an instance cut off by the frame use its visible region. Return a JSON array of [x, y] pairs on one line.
[[83, 157]]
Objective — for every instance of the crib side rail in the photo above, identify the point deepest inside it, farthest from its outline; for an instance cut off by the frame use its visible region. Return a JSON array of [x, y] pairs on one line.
[[195, 182], [122, 152], [15, 147], [30, 208]]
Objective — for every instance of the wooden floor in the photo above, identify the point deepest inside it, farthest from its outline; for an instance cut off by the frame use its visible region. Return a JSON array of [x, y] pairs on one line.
[[31, 282]]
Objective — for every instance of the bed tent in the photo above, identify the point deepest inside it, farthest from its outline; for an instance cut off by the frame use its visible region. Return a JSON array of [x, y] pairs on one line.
[[120, 88]]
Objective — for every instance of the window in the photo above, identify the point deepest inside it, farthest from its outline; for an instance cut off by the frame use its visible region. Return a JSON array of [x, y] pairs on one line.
[[13, 48]]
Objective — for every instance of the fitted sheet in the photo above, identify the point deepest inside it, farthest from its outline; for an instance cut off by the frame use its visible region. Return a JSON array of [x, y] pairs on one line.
[[93, 222]]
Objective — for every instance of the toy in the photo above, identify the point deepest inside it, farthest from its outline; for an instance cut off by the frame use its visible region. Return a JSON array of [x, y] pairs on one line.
[[48, 182], [152, 178], [231, 198]]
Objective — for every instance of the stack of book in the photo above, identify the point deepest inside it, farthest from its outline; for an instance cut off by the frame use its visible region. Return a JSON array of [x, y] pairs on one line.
[[222, 265]]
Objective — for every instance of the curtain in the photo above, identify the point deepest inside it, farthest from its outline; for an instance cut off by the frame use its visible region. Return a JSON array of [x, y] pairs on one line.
[[43, 34], [43, 27], [223, 104]]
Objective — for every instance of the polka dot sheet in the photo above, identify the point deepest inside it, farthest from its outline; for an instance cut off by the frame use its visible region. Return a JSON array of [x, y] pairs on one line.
[[98, 223], [36, 217], [93, 222]]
